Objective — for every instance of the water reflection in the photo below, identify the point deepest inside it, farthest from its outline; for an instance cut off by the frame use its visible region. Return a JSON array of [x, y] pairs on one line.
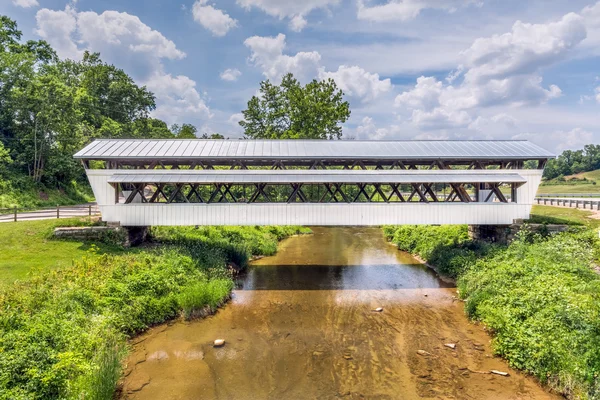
[[339, 277]]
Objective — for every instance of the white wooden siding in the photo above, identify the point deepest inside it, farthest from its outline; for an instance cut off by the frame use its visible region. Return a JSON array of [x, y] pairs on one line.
[[368, 214]]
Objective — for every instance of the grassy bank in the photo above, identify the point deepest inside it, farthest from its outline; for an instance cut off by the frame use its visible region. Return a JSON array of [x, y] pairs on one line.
[[63, 331], [21, 192], [539, 297]]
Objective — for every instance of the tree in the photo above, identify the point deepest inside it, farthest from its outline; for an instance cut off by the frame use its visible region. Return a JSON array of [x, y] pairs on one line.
[[185, 131], [212, 136], [293, 111]]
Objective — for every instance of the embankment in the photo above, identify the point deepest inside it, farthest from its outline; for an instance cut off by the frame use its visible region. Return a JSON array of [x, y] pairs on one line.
[[539, 298], [63, 333]]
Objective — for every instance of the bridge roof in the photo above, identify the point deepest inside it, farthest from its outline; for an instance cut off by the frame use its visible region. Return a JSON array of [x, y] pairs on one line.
[[314, 176], [181, 149]]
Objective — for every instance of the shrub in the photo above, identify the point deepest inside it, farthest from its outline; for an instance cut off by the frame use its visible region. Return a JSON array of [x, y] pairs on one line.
[[538, 296], [62, 333]]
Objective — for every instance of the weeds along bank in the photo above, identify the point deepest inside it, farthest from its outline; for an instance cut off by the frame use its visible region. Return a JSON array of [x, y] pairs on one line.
[[539, 297], [63, 332]]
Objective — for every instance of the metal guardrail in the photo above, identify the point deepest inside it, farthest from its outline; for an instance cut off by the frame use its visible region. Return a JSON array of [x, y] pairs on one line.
[[572, 195], [571, 203], [24, 214]]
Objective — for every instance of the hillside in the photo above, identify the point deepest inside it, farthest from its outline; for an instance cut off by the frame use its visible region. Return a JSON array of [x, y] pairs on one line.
[[584, 182]]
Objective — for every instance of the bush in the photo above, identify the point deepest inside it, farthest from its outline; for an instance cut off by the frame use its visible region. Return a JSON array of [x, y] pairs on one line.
[[539, 297], [62, 332]]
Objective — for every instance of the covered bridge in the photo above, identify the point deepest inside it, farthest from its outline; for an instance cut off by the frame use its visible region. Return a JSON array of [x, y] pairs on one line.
[[313, 182]]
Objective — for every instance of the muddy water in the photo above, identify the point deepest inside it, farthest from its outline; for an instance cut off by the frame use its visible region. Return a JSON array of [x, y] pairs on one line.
[[301, 326]]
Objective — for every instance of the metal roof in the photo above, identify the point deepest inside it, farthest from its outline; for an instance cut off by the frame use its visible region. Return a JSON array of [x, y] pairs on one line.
[[165, 149], [314, 176]]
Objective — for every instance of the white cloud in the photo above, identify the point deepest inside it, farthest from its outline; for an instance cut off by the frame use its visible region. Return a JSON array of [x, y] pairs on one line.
[[598, 94], [124, 40], [231, 74], [357, 82], [403, 10], [591, 14], [523, 50], [213, 19], [234, 119], [267, 54], [178, 96], [57, 27], [564, 140], [369, 130], [26, 3], [499, 70], [295, 10]]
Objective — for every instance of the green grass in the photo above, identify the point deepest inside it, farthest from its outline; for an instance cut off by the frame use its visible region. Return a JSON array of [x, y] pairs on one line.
[[561, 215], [63, 329], [537, 296], [573, 184], [27, 247]]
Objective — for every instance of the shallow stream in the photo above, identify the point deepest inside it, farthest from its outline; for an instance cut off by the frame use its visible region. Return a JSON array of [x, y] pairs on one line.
[[301, 325]]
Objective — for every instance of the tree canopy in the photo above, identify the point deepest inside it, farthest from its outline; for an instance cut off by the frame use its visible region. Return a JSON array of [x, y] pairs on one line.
[[573, 162], [293, 111], [50, 108]]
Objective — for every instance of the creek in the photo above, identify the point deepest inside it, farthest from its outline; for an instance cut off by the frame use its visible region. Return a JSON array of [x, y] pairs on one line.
[[301, 325]]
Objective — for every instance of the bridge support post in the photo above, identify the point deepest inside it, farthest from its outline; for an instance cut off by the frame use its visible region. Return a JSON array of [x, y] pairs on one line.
[[492, 233], [136, 235]]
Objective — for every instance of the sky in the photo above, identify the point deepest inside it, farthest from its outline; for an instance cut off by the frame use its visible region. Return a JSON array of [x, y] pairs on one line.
[[411, 69]]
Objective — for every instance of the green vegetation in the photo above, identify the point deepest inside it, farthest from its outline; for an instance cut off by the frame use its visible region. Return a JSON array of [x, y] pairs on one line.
[[293, 111], [27, 248], [563, 216], [584, 182], [538, 296], [63, 330]]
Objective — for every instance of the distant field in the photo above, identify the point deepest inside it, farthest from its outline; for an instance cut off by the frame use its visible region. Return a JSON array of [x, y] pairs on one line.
[[574, 186], [559, 215]]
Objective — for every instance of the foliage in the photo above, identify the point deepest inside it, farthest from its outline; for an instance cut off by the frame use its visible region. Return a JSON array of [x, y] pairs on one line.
[[185, 131], [573, 162], [293, 111], [563, 216], [62, 332], [538, 296], [50, 108]]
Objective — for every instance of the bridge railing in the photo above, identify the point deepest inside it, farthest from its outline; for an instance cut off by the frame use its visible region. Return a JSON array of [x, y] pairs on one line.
[[571, 195], [24, 214], [571, 203]]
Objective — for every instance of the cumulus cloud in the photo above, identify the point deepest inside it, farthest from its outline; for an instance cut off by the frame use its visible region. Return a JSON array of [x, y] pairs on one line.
[[178, 96], [294, 10], [231, 74], [57, 27], [369, 130], [357, 82], [26, 3], [403, 10], [234, 119], [213, 19], [499, 70], [267, 54], [124, 40], [563, 140]]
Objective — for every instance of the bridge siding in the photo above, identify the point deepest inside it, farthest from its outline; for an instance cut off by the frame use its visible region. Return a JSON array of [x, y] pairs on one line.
[[313, 214]]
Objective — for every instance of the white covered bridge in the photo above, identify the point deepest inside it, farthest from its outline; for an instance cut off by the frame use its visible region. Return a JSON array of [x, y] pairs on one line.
[[313, 182]]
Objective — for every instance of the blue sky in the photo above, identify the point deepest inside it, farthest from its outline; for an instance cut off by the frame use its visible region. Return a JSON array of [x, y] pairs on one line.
[[428, 69]]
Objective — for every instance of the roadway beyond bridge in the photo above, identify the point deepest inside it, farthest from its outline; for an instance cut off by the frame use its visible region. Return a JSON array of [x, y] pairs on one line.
[[312, 182]]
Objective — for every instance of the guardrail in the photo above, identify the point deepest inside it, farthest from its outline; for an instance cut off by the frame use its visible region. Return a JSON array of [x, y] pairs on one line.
[[571, 203], [572, 195], [24, 214]]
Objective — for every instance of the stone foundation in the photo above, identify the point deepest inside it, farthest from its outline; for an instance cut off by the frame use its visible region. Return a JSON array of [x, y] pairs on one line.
[[507, 233], [124, 236]]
